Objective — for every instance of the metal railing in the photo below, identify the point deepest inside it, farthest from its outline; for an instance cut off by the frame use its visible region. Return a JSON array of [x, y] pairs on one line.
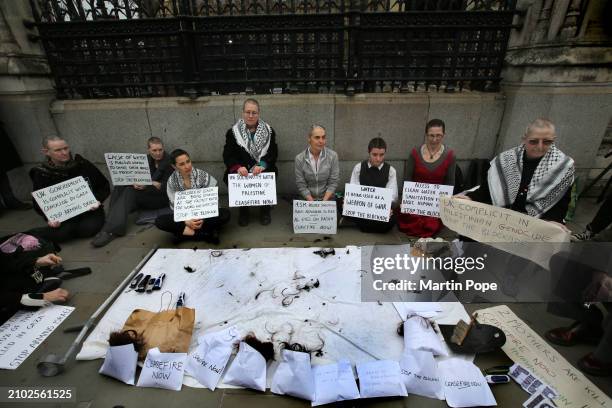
[[132, 48]]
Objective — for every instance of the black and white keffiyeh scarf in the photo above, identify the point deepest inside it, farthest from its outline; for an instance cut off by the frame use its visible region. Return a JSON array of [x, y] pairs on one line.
[[551, 179], [258, 147], [199, 179]]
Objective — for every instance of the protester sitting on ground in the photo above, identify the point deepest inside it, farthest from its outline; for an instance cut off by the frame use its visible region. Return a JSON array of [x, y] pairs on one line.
[[432, 163], [27, 262], [61, 166], [534, 178], [183, 178], [377, 173], [601, 221], [250, 147], [317, 170], [125, 199]]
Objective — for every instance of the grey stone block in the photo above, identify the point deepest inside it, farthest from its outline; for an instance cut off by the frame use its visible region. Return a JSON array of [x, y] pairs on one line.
[[399, 119]]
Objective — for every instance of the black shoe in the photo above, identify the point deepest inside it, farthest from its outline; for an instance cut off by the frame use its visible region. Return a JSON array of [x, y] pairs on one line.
[[264, 216], [243, 218], [212, 237], [102, 238]]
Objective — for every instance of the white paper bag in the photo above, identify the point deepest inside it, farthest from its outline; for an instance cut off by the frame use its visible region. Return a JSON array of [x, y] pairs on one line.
[[120, 363], [294, 376], [334, 382], [163, 370], [207, 362], [464, 385], [420, 374], [248, 369], [381, 378], [420, 335]]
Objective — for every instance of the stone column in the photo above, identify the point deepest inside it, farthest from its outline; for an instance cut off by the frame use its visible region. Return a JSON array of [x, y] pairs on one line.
[[26, 89], [557, 66]]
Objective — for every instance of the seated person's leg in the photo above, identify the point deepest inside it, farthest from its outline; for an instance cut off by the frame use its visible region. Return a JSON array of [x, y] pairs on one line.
[[89, 223], [150, 199], [166, 223]]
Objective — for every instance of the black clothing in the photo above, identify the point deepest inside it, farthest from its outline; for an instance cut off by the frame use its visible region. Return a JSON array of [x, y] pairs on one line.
[[603, 218], [10, 157], [234, 156], [162, 172], [372, 176], [84, 225], [46, 174], [556, 213]]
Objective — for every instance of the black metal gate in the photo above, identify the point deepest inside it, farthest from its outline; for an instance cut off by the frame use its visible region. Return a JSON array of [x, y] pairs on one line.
[[132, 48]]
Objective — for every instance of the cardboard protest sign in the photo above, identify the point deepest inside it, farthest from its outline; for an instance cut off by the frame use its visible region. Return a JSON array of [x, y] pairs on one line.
[[120, 363], [423, 198], [251, 190], [334, 382], [487, 223], [464, 385], [380, 378], [533, 353], [26, 330], [127, 169], [65, 200], [314, 217], [163, 370], [370, 203], [197, 203]]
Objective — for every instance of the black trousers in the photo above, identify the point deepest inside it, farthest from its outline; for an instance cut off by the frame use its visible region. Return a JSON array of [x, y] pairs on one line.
[[84, 225], [125, 199], [603, 218], [166, 223], [371, 226]]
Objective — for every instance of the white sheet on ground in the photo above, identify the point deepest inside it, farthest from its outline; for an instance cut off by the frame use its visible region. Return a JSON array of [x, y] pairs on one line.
[[257, 290]]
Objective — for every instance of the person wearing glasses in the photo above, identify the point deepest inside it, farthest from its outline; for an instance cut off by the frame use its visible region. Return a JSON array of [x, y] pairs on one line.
[[533, 178], [250, 147], [433, 163]]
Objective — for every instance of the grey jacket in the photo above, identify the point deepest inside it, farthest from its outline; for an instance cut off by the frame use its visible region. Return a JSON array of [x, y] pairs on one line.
[[317, 184]]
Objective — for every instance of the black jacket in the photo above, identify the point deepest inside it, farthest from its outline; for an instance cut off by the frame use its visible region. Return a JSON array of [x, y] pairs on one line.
[[45, 175], [235, 156]]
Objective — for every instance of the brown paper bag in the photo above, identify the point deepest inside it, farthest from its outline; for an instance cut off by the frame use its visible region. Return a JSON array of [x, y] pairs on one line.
[[169, 330]]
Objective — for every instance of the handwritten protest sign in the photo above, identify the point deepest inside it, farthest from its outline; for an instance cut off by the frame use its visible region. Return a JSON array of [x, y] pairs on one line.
[[370, 203], [163, 370], [26, 330], [314, 217], [252, 190], [128, 168], [526, 348], [65, 200], [423, 198], [487, 223], [197, 203]]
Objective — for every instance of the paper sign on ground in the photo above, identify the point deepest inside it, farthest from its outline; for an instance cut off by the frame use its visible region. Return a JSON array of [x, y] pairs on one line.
[[127, 169], [163, 370], [370, 203], [527, 348], [25, 331], [423, 198], [464, 385], [196, 204], [65, 200], [251, 190], [314, 217]]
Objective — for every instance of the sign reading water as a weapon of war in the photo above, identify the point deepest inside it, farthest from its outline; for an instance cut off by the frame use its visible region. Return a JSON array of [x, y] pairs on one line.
[[127, 169], [252, 190], [423, 198], [197, 203], [314, 217], [370, 203], [65, 200]]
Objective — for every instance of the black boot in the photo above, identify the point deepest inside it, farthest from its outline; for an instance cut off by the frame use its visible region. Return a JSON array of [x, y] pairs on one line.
[[243, 218], [264, 215]]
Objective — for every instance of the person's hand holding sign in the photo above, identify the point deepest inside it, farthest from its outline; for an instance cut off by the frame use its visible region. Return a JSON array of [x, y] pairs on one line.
[[243, 171], [95, 206], [138, 187], [257, 170]]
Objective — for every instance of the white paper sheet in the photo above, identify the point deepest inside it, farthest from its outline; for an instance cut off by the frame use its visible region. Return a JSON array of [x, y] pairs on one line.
[[120, 363], [293, 376], [163, 370], [380, 378], [419, 334], [420, 374], [248, 369], [334, 382], [464, 385]]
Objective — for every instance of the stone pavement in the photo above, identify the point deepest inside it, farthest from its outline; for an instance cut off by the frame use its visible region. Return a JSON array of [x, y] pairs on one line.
[[112, 263]]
